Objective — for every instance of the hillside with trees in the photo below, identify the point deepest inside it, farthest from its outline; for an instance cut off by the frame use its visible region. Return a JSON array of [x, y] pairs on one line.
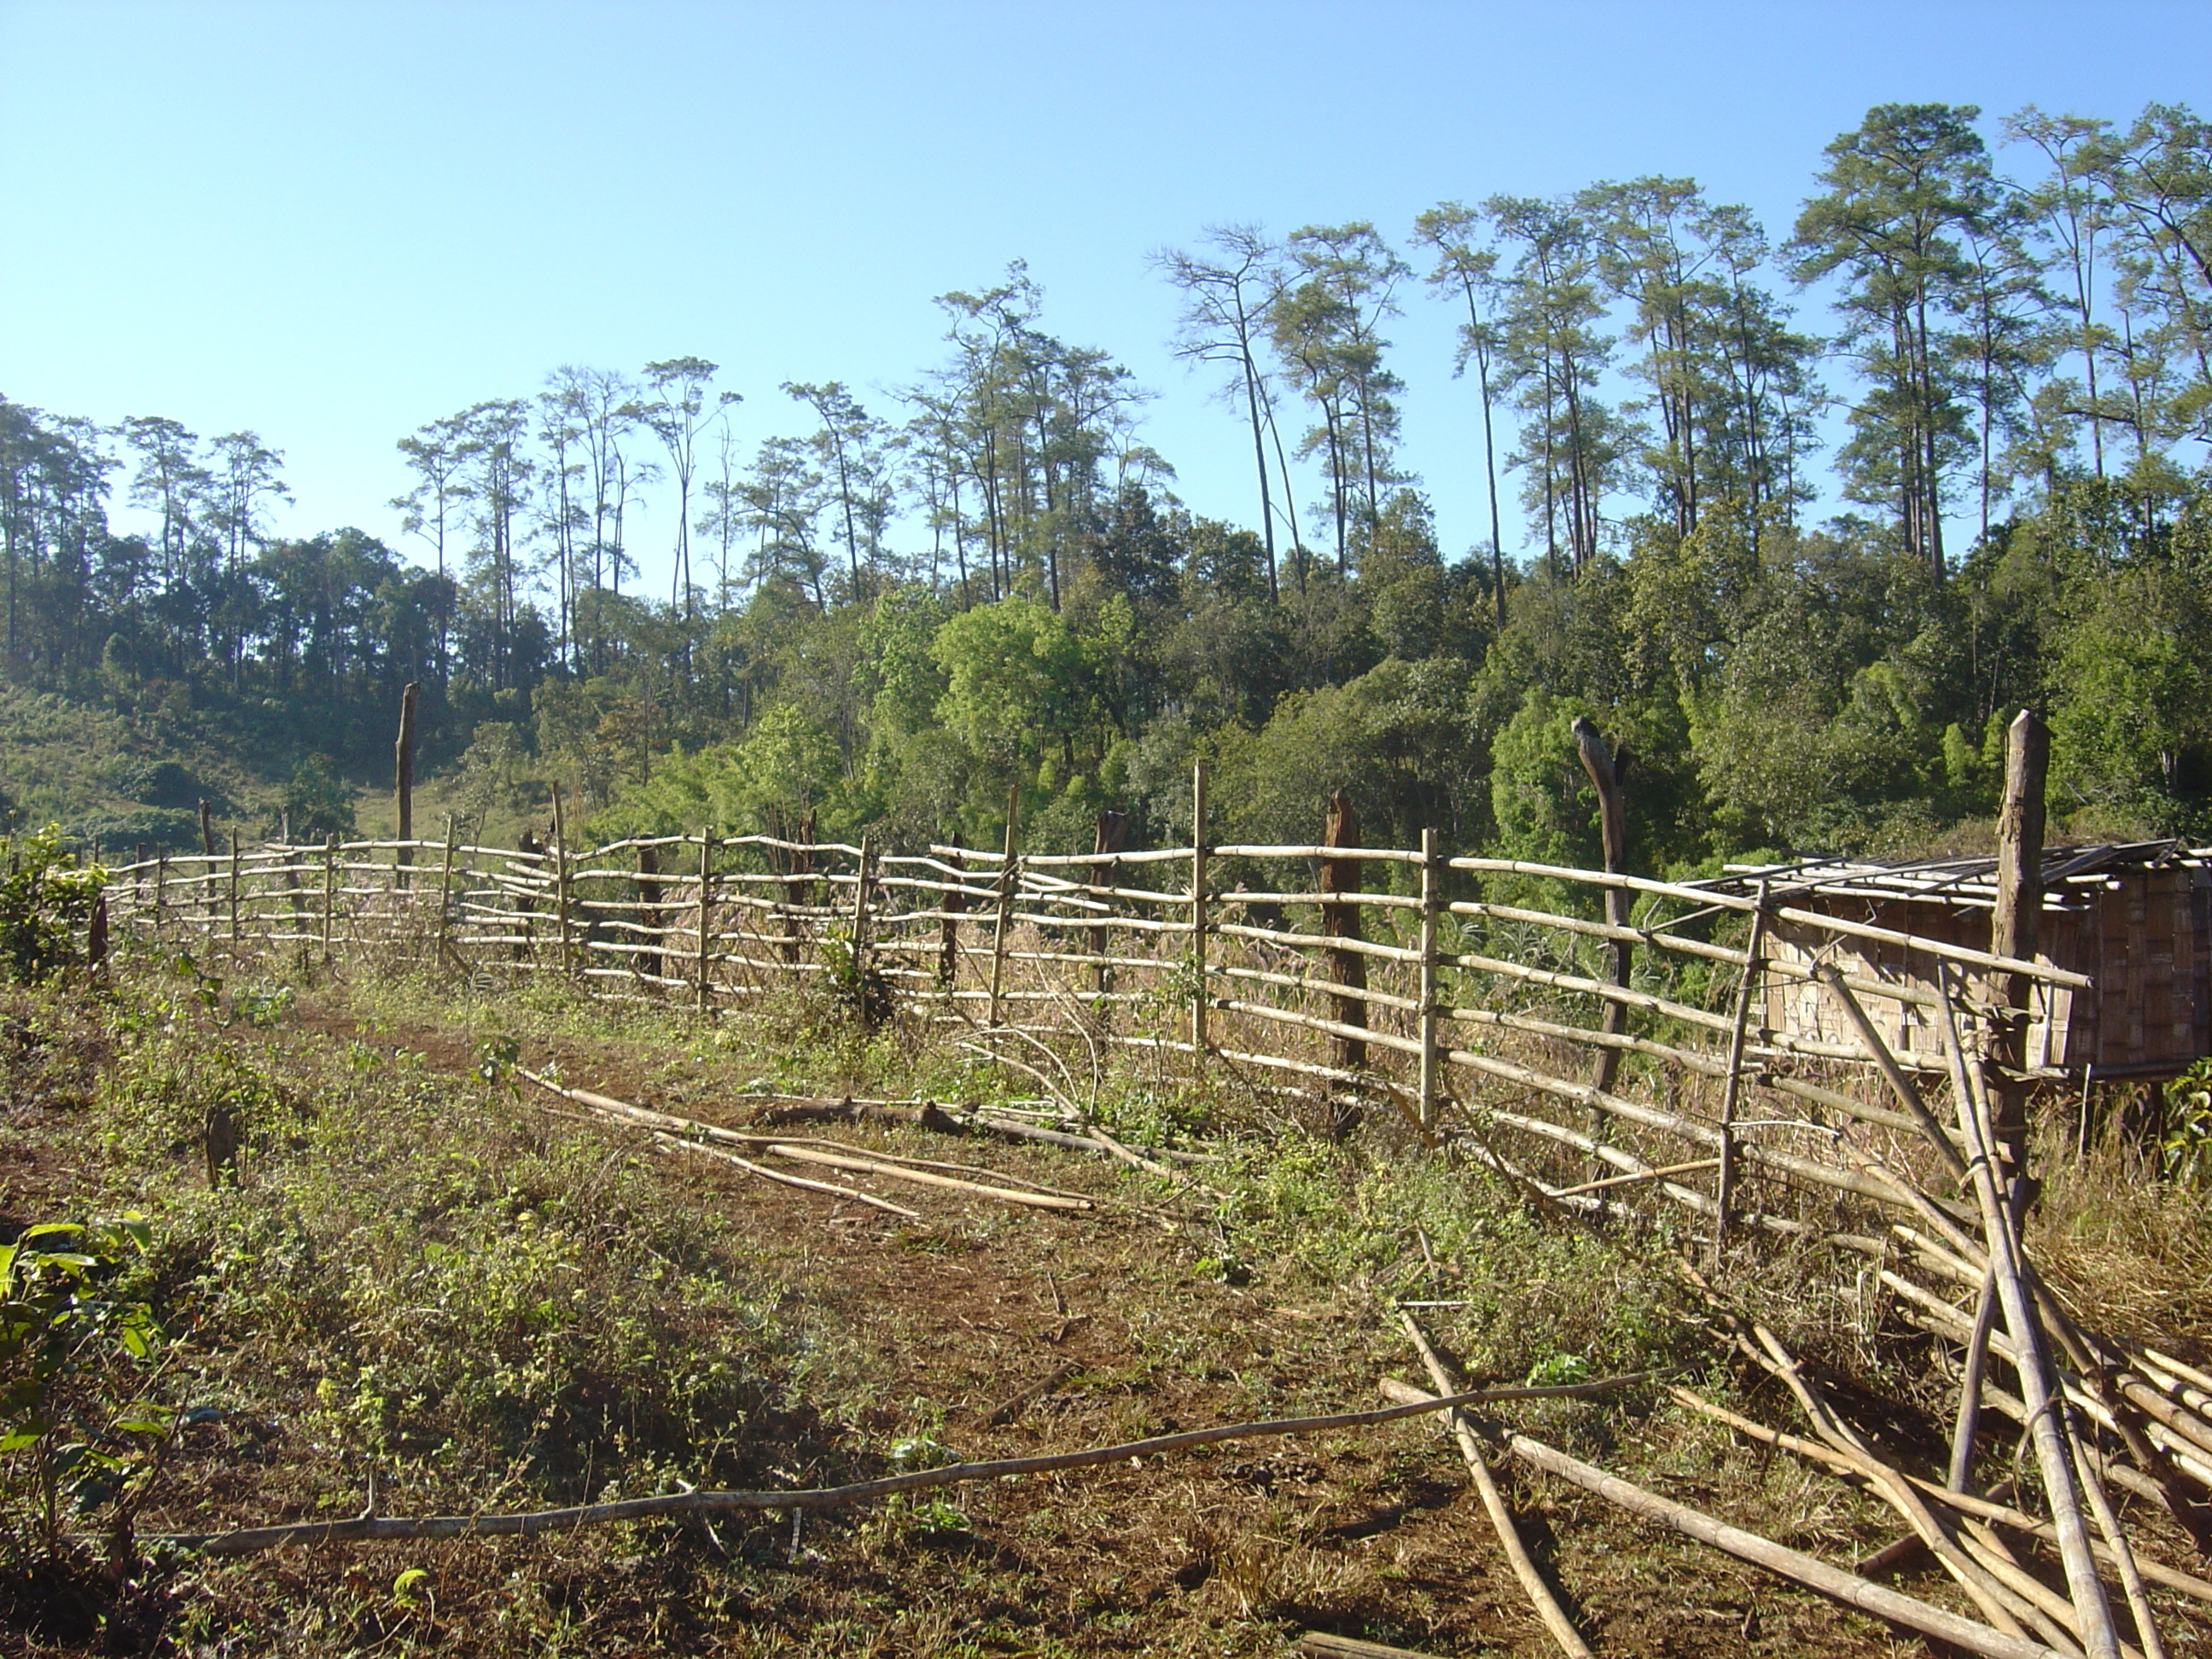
[[1989, 342]]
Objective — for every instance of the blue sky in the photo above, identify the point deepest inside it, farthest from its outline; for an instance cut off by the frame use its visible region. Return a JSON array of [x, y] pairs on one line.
[[330, 222]]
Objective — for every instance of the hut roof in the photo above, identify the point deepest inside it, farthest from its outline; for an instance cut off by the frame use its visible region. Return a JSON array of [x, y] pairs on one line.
[[2069, 875]]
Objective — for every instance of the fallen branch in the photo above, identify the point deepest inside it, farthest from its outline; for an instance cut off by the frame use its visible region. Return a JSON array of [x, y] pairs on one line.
[[363, 1528]]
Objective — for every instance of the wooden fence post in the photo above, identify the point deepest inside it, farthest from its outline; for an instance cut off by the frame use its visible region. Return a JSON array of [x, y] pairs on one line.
[[2014, 929], [207, 864], [861, 929], [560, 879], [704, 967], [1432, 906], [446, 890], [403, 781], [1198, 872], [330, 894], [234, 894], [1009, 870], [650, 924], [1605, 767], [1339, 827], [1113, 833], [948, 944], [1725, 1186]]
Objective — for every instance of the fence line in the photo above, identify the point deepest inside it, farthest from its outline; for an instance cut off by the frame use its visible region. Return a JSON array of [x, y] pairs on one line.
[[1401, 998]]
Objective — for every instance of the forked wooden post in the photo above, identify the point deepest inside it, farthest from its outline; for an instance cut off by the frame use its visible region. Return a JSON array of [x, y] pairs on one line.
[[1432, 870], [1199, 994], [703, 970], [1009, 868], [330, 894], [561, 879], [1731, 1090]]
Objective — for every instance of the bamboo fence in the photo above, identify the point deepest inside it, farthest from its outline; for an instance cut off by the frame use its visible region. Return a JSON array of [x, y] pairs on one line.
[[1594, 1063]]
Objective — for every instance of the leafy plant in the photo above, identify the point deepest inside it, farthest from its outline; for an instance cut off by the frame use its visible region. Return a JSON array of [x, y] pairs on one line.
[[2184, 1150], [46, 905], [72, 1358]]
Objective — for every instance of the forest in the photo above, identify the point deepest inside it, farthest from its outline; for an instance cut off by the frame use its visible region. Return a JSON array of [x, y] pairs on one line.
[[1987, 342]]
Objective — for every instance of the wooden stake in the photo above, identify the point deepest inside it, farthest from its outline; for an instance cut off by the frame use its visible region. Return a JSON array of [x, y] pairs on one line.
[[161, 891], [403, 775], [2014, 929], [1605, 767], [446, 890], [1340, 920], [1725, 1185], [948, 939], [207, 853], [703, 971], [330, 894], [561, 879], [1199, 995], [1432, 904], [861, 929], [649, 914], [1113, 833], [1009, 868], [233, 892]]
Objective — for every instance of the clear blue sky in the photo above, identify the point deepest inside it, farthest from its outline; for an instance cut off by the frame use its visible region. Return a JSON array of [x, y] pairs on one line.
[[329, 222]]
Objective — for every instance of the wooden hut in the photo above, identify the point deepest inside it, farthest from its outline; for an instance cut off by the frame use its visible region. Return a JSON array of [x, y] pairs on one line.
[[2136, 919]]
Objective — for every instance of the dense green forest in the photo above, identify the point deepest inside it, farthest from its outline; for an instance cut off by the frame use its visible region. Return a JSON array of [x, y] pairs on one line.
[[887, 619]]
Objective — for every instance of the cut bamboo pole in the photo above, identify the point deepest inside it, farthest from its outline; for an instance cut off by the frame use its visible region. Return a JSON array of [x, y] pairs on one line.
[[1731, 1090], [1554, 1616], [1833, 1581], [2046, 1424], [1966, 1504], [1886, 1062]]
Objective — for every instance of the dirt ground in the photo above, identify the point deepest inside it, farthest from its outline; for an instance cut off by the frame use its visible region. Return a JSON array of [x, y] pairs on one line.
[[999, 1333]]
